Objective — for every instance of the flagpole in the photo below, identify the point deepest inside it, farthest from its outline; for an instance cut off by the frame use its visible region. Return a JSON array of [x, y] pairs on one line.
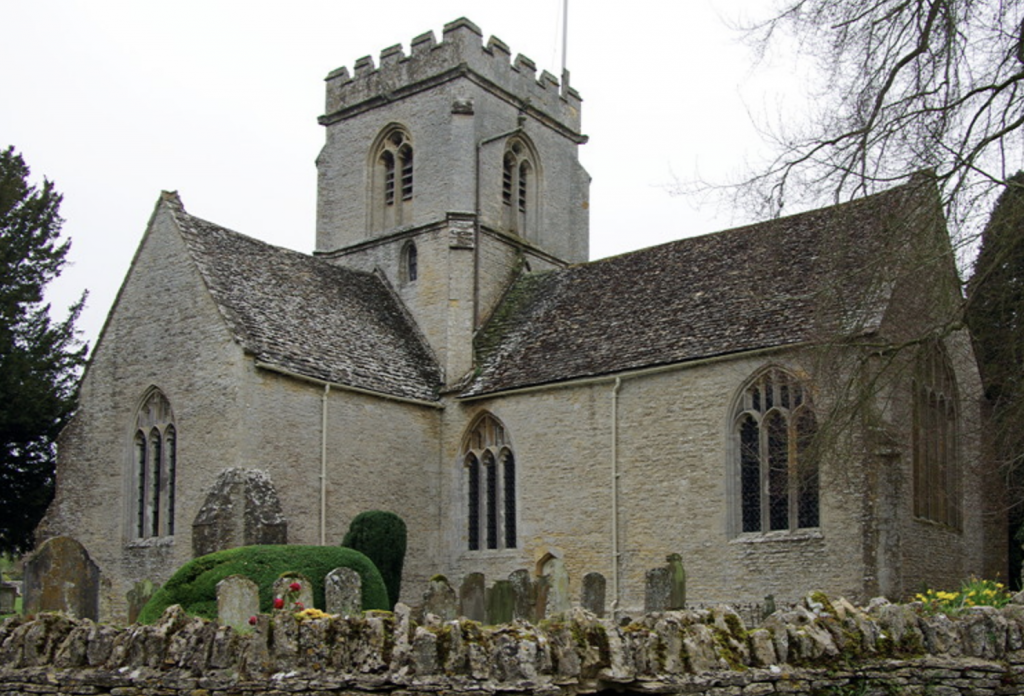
[[565, 41]]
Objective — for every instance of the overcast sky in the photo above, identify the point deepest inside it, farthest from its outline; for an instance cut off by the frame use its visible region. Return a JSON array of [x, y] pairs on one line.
[[115, 101]]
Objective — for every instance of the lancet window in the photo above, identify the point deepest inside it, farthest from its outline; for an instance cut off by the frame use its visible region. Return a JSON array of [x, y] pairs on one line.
[[393, 172], [519, 189], [490, 470], [154, 468], [936, 464]]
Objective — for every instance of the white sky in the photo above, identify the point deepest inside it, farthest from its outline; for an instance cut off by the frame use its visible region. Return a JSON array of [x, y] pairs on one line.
[[115, 101]]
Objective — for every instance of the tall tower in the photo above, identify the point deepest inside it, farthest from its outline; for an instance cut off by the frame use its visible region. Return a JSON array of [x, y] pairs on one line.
[[451, 170]]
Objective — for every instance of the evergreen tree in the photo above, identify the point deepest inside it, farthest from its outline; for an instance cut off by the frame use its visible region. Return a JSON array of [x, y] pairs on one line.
[[39, 359]]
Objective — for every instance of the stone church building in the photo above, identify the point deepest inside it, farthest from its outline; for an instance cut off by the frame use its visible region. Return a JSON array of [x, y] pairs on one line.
[[786, 405]]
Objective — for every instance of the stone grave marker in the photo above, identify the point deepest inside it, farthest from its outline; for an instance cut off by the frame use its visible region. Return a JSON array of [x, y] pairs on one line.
[[500, 602], [472, 596], [440, 599], [8, 593], [592, 596], [140, 593], [343, 592], [677, 582], [60, 576], [557, 586], [238, 598], [241, 509], [657, 589], [293, 598], [524, 590]]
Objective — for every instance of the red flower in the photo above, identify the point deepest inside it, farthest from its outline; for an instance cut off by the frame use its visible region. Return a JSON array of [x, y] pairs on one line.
[[279, 603], [252, 620], [295, 587], [298, 605]]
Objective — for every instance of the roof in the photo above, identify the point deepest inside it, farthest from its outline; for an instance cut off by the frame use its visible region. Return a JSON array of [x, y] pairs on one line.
[[308, 316], [782, 282]]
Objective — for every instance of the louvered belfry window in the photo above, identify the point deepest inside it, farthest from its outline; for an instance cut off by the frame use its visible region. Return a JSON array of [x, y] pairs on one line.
[[393, 180]]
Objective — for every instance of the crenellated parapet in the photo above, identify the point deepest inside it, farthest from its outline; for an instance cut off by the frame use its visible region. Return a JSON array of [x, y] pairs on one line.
[[461, 52]]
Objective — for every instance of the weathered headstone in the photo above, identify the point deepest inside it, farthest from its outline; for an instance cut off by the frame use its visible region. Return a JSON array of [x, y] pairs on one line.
[[657, 589], [60, 576], [500, 602], [238, 598], [8, 595], [471, 597], [440, 599], [294, 599], [677, 582], [241, 509], [558, 586], [525, 593], [140, 593], [343, 592], [592, 597]]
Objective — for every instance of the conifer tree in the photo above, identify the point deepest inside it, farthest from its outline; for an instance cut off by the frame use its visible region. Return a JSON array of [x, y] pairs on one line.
[[39, 359]]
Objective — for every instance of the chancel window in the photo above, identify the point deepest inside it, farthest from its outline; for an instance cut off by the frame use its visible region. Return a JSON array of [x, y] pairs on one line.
[[393, 172], [490, 470], [775, 469], [936, 465], [154, 468], [519, 189]]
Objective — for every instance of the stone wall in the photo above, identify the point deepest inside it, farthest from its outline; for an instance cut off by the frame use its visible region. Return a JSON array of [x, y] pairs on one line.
[[820, 647]]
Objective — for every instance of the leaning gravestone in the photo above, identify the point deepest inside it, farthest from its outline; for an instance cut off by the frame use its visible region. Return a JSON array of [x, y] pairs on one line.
[[592, 598], [8, 595], [238, 598], [294, 600], [472, 596], [440, 599], [343, 592], [60, 576]]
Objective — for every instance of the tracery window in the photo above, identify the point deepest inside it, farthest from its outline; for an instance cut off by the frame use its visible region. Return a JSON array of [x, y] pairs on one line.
[[154, 468], [392, 180], [775, 468], [936, 465], [519, 189], [490, 468]]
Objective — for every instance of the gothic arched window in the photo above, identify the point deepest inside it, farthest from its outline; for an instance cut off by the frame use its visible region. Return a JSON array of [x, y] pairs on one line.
[[936, 465], [392, 180], [490, 470], [154, 468], [409, 269], [519, 189], [776, 473]]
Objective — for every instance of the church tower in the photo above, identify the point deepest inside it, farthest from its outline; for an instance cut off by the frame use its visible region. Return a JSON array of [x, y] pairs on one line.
[[451, 170]]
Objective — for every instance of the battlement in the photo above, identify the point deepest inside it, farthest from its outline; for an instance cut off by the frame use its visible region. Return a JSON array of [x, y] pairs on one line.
[[461, 52]]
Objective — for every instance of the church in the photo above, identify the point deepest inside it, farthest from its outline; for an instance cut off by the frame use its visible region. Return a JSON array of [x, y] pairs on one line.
[[789, 406]]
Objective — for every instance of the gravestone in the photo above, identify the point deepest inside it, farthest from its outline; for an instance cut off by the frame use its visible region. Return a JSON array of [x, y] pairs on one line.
[[657, 589], [60, 576], [294, 600], [440, 599], [500, 603], [241, 509], [343, 592], [8, 595], [140, 593], [238, 598], [525, 594], [592, 597], [557, 601], [472, 597], [677, 582]]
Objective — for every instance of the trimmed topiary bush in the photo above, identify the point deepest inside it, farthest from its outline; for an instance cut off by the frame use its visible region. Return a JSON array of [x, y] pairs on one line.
[[381, 536], [194, 585]]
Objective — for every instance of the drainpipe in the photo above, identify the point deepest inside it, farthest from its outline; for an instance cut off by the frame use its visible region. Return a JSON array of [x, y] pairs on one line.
[[476, 217], [615, 496], [323, 466]]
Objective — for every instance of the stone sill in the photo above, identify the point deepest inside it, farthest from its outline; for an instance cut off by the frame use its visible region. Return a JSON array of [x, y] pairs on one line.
[[150, 542], [782, 535]]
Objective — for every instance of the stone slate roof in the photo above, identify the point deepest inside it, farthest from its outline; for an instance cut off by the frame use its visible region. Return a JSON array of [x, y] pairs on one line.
[[772, 284], [308, 316]]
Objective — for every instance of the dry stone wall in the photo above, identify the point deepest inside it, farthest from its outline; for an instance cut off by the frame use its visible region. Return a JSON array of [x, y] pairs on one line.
[[821, 647]]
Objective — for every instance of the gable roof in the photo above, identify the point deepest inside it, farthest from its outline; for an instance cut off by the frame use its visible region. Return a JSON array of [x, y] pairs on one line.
[[786, 281], [305, 315]]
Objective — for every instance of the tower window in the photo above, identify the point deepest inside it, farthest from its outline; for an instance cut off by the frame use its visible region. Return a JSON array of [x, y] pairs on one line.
[[392, 180], [519, 189]]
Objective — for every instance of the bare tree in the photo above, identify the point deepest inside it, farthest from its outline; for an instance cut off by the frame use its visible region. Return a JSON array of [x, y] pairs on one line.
[[906, 85]]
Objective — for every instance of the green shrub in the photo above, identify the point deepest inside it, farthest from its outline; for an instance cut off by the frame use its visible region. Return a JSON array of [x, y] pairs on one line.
[[381, 536], [194, 585]]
